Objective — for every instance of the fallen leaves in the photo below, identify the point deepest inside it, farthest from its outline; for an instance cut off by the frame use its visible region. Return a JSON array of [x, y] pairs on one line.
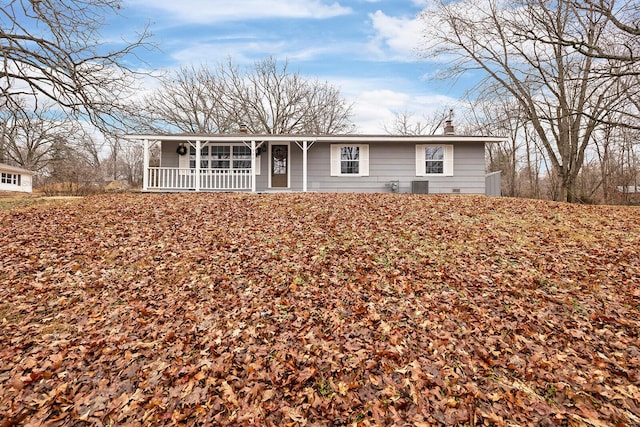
[[315, 309]]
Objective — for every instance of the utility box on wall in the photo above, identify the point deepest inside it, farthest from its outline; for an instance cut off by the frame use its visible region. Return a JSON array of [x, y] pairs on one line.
[[420, 187]]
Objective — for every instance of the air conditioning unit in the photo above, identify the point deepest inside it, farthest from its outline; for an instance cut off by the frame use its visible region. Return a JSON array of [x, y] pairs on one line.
[[420, 187]]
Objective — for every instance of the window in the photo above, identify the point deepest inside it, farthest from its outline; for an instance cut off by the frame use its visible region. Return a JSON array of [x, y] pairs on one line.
[[220, 157], [434, 160], [350, 160], [10, 178], [241, 157]]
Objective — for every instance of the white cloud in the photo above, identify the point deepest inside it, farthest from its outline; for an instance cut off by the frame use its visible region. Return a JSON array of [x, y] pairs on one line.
[[376, 102], [243, 52], [205, 11], [249, 50], [397, 38]]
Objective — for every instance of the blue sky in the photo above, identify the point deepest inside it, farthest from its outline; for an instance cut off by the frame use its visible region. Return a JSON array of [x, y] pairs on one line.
[[367, 48]]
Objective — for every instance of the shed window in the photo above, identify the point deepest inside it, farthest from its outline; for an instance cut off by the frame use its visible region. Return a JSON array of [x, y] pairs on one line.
[[10, 178]]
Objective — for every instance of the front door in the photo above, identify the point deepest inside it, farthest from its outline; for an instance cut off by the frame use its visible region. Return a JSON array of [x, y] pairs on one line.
[[279, 166]]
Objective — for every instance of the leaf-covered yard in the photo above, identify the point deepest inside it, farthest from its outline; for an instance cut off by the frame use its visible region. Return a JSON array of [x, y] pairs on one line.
[[319, 309]]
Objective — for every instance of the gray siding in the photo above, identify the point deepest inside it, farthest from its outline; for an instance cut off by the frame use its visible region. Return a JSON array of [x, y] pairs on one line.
[[168, 155], [397, 162], [493, 184], [387, 162]]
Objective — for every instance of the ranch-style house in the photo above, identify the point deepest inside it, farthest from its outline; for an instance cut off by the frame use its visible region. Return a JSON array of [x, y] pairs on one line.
[[321, 163]]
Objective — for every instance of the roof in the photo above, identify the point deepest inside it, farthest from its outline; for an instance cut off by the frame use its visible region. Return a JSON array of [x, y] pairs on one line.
[[244, 137], [14, 169]]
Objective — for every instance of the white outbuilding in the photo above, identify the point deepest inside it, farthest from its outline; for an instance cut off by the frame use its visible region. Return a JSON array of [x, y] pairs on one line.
[[13, 178]]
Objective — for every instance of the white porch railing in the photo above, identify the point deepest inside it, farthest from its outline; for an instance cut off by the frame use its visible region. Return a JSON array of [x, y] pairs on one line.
[[210, 179], [225, 179]]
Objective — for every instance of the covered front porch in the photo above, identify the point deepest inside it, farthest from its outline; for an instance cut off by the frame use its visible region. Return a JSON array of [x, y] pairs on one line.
[[224, 163]]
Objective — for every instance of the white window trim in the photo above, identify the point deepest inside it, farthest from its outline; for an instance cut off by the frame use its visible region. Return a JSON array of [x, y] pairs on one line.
[[183, 161], [11, 178], [447, 162], [364, 160]]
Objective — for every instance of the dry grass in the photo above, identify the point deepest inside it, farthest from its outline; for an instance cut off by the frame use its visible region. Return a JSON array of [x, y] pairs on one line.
[[9, 200]]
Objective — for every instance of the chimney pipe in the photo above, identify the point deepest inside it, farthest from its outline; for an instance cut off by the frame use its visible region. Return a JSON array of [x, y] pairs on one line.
[[448, 128], [448, 124]]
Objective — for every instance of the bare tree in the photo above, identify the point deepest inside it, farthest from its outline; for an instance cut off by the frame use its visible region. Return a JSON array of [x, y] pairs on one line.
[[518, 45], [189, 101], [51, 49], [270, 99], [131, 163], [266, 98], [622, 18], [29, 138], [502, 116], [405, 123]]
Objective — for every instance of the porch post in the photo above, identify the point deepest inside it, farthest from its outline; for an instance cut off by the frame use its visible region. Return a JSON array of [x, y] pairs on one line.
[[305, 147], [197, 183], [145, 166], [253, 166]]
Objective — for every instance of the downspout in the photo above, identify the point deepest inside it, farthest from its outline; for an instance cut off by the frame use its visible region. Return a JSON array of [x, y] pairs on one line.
[[253, 166], [145, 166]]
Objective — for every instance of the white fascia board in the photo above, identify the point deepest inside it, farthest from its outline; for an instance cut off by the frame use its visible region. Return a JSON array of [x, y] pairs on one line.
[[222, 138], [420, 139], [14, 169]]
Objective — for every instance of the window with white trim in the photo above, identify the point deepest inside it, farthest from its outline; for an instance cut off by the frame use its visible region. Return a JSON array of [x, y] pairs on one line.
[[434, 160], [10, 178], [350, 160], [221, 157]]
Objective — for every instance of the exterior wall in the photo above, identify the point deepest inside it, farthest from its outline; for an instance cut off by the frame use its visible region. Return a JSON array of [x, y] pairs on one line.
[[262, 180], [168, 155], [397, 162], [296, 167], [387, 162]]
